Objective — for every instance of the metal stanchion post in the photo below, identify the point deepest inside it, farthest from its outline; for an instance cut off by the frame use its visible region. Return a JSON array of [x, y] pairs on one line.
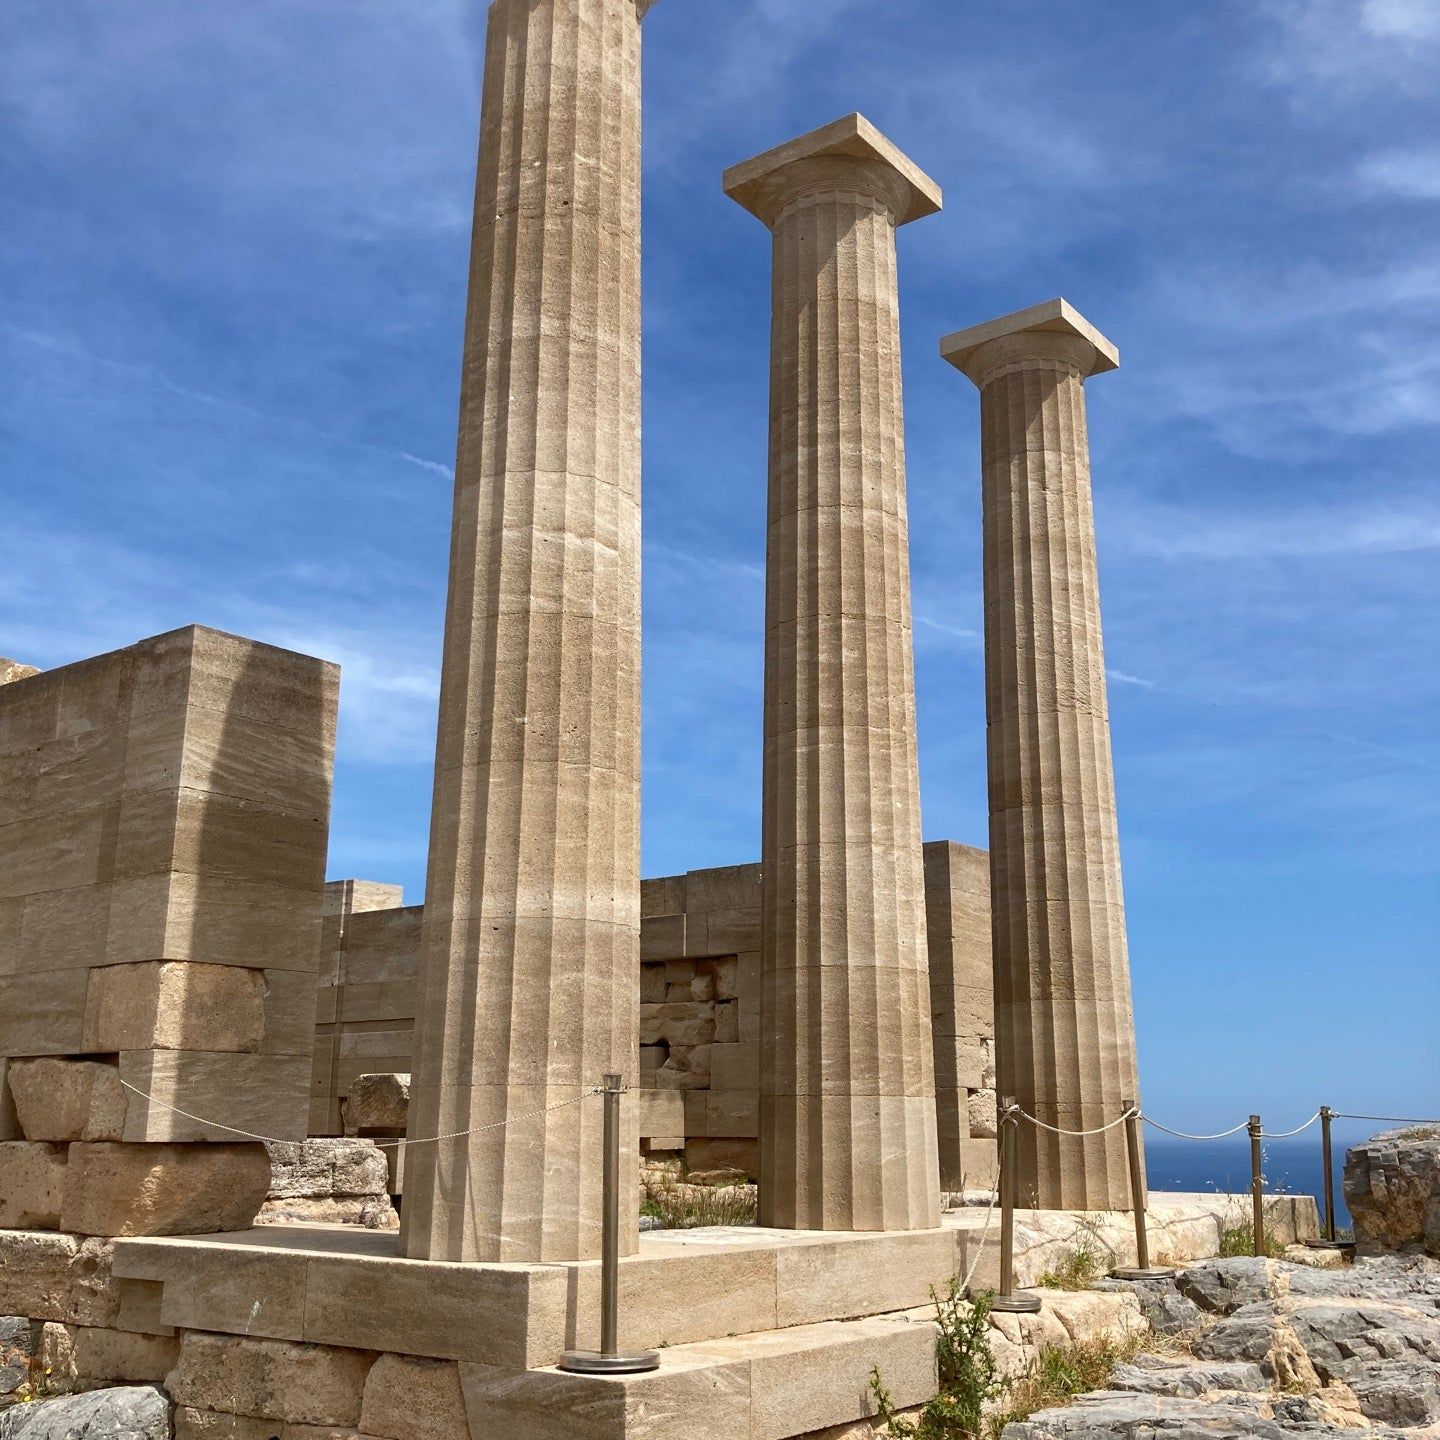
[[607, 1360], [1007, 1302], [1257, 1184], [1142, 1269], [1328, 1240]]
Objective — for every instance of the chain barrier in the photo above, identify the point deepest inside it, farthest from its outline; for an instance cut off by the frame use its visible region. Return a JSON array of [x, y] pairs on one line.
[[379, 1144], [1386, 1119]]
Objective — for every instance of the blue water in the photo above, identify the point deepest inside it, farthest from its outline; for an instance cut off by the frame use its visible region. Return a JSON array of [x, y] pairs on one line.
[[1291, 1167]]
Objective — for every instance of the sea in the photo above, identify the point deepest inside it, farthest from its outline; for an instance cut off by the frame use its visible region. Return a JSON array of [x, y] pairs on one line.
[[1290, 1167]]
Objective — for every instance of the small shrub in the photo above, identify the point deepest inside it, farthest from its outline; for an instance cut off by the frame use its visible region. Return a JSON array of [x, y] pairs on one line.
[[968, 1375]]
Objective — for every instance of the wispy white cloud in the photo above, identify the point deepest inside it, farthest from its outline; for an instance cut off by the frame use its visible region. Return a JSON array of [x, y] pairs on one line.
[[1410, 174]]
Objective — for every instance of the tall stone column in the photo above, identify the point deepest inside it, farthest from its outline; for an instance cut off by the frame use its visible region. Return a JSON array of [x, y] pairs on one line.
[[847, 1078], [1064, 1029], [531, 946]]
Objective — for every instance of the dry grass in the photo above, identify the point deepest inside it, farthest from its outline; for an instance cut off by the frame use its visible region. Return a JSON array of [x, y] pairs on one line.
[[678, 1205], [1055, 1377]]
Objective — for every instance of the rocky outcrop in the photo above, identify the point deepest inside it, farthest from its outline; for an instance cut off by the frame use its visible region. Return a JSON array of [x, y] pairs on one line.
[[11, 670], [135, 1412], [1286, 1350], [1392, 1186], [343, 1182]]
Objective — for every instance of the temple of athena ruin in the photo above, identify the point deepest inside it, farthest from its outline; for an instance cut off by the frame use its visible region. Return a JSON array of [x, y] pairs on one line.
[[832, 1017]]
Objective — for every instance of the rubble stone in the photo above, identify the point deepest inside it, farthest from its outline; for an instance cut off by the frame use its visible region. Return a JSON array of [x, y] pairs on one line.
[[1392, 1186], [125, 1413]]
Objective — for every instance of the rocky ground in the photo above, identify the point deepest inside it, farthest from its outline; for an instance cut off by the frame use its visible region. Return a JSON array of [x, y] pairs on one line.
[[1277, 1349]]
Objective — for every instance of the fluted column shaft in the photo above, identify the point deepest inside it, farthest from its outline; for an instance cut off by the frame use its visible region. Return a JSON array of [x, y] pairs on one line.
[[1065, 1035], [531, 945], [847, 1110]]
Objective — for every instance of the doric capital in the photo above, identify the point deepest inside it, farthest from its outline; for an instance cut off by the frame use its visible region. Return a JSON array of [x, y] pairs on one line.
[[1052, 331], [849, 153]]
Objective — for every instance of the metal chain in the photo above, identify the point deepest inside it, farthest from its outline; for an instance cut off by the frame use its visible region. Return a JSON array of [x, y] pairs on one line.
[[379, 1144], [1387, 1119], [1056, 1130]]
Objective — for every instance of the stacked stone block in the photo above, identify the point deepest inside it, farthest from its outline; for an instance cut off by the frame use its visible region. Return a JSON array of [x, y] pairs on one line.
[[699, 998], [162, 856], [369, 981]]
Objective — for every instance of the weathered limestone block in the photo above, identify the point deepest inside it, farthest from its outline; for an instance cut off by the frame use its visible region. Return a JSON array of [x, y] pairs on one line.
[[83, 1357], [323, 1168], [686, 1023], [32, 1178], [981, 1113], [50, 1276], [329, 1181], [165, 1005], [378, 1103], [192, 1424], [58, 1099], [1392, 1187], [412, 1399], [274, 1379], [163, 1189], [257, 1093]]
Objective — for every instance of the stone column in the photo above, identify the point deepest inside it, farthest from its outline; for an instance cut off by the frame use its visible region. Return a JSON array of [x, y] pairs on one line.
[[531, 948], [1064, 1029], [847, 1078]]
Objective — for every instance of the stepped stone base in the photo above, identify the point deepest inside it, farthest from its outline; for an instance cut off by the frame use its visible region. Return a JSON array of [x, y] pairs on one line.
[[763, 1334]]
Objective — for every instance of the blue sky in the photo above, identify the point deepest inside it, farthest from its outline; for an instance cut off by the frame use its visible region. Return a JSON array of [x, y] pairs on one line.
[[232, 250]]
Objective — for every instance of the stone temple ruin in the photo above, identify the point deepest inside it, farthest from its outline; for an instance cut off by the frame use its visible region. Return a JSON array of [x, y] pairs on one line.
[[177, 981]]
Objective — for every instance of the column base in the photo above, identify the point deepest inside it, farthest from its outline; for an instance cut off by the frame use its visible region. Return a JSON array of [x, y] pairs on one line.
[[1017, 1304], [593, 1362], [1148, 1272]]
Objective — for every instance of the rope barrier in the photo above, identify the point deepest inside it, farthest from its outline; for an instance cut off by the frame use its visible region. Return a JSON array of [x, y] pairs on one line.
[[984, 1233], [1286, 1134], [1056, 1130], [1183, 1135], [379, 1144]]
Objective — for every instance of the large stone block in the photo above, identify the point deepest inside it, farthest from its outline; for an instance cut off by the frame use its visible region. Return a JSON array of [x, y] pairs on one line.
[[115, 1189], [378, 1103], [59, 1099], [84, 1357], [32, 1178], [412, 1399], [50, 1276], [276, 1379], [263, 1094], [166, 1005]]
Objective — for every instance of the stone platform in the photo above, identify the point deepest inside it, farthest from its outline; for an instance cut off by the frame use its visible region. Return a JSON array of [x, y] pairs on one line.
[[762, 1332]]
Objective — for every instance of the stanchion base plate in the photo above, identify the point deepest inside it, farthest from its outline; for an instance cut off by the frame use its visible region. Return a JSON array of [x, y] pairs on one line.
[[1134, 1272], [592, 1362], [1329, 1244], [1017, 1304]]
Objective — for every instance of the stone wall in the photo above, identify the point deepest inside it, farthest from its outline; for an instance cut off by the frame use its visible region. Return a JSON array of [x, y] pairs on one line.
[[699, 1010], [162, 851]]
